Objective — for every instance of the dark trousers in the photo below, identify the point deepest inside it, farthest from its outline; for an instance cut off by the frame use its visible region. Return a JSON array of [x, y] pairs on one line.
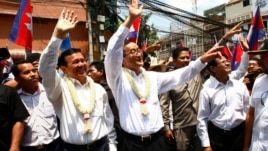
[[99, 145], [187, 139], [222, 140], [154, 142], [53, 146]]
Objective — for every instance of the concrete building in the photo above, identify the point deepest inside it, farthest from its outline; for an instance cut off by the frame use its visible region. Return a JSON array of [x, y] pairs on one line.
[[45, 15], [230, 14], [243, 10]]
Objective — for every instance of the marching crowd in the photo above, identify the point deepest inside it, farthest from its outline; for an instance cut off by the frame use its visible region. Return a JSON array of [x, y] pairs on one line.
[[59, 102]]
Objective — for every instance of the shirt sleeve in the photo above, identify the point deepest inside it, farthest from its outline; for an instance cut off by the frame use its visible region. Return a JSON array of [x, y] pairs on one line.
[[202, 118], [242, 69], [47, 69], [114, 57], [165, 103], [172, 79]]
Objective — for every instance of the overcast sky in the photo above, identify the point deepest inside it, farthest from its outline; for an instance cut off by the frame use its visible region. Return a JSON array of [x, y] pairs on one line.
[[201, 4], [162, 23]]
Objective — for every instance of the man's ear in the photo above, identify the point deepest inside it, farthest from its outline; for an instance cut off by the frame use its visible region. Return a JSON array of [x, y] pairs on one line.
[[63, 68], [101, 71]]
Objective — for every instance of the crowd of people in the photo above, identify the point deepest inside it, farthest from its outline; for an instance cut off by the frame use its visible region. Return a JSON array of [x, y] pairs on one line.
[[61, 102]]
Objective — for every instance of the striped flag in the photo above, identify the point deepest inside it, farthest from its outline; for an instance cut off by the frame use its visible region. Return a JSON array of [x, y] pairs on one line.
[[256, 31], [21, 32], [134, 30]]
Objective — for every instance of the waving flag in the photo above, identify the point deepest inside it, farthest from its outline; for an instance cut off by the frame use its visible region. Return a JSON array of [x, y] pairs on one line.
[[256, 31], [134, 30], [237, 53], [21, 32]]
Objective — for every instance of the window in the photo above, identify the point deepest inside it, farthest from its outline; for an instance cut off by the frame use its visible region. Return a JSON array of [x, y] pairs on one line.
[[246, 3]]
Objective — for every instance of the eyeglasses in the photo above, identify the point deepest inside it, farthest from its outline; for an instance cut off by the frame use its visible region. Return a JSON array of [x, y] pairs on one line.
[[133, 52], [264, 96]]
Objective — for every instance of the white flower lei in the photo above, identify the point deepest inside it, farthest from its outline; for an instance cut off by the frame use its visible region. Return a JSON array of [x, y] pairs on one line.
[[81, 109], [138, 93]]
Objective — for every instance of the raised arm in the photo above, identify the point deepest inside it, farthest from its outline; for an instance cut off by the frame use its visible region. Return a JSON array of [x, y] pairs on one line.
[[114, 58], [49, 57], [235, 30]]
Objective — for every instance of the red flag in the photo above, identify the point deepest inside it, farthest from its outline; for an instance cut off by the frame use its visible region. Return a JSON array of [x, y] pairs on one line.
[[144, 45], [256, 31], [21, 32], [225, 50], [134, 30], [237, 53]]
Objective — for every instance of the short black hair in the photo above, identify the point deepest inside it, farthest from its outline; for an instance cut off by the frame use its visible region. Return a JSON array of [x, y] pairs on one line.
[[15, 70], [33, 57], [64, 54], [4, 53], [177, 51], [99, 65], [213, 63]]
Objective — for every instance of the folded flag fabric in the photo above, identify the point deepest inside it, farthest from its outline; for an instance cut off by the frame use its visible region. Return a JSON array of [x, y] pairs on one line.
[[21, 32], [237, 53], [225, 50]]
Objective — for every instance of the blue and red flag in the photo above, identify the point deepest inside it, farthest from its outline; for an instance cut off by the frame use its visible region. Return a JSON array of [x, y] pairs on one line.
[[21, 32], [237, 53], [134, 30], [256, 31]]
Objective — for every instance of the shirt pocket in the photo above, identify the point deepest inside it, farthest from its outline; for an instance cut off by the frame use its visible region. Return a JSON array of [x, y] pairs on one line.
[[237, 102], [48, 109]]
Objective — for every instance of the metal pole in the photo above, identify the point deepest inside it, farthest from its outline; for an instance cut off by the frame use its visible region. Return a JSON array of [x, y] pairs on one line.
[[90, 41]]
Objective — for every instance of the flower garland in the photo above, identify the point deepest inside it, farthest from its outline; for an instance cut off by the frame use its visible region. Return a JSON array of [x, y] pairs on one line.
[[138, 93], [81, 109]]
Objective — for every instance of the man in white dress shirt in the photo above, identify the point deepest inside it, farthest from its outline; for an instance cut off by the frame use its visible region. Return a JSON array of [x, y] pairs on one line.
[[223, 105], [41, 130], [86, 120], [256, 133], [136, 90]]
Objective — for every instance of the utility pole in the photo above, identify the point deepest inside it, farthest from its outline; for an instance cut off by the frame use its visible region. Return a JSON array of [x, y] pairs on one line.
[[90, 41]]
